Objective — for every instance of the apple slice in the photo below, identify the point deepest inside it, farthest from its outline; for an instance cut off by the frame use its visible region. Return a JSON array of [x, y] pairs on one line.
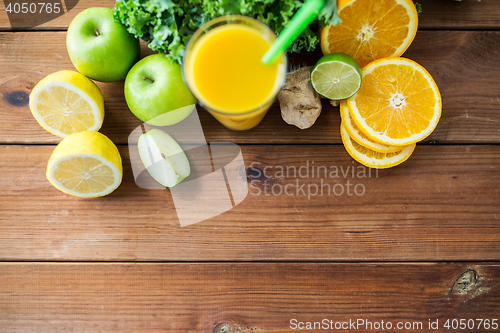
[[164, 159]]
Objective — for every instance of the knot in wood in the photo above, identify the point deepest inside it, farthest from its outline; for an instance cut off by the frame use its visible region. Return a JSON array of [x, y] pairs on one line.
[[254, 173], [18, 98], [223, 328], [466, 283]]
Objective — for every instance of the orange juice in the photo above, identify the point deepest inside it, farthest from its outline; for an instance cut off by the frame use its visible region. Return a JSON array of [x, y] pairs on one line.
[[224, 71]]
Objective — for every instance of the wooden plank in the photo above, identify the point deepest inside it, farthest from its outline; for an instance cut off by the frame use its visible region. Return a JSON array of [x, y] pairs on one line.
[[468, 14], [464, 65], [244, 297], [442, 204], [463, 15]]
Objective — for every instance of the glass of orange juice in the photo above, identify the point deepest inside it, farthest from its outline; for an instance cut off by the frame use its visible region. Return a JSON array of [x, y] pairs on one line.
[[222, 67]]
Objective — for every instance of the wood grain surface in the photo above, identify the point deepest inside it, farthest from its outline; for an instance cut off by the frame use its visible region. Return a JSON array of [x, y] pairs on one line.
[[67, 264], [229, 298], [437, 14], [469, 87], [463, 15], [442, 204]]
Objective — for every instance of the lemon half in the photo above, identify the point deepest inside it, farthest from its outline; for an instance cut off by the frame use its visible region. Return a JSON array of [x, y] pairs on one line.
[[67, 102], [85, 164]]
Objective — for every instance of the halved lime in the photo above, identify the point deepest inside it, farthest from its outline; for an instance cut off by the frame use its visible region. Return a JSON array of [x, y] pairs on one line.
[[336, 76]]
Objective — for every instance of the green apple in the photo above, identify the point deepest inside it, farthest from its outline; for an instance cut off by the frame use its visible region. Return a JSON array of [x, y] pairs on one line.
[[164, 159], [156, 93], [100, 47]]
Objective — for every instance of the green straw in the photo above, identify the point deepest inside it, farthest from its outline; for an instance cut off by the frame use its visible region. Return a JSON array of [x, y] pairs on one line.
[[304, 16]]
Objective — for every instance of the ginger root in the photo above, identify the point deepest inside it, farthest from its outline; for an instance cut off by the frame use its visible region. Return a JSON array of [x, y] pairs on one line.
[[334, 103], [300, 104]]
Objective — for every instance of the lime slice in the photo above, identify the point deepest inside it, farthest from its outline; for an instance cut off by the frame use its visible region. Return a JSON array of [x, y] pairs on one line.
[[336, 76]]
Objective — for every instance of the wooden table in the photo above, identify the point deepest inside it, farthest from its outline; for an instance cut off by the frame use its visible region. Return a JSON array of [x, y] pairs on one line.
[[423, 242]]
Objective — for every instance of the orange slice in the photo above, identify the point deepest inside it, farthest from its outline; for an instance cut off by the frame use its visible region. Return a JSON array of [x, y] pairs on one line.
[[373, 159], [372, 30], [342, 3], [398, 103], [359, 137]]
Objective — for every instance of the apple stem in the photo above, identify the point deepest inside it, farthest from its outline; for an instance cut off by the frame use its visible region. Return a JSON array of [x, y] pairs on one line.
[[97, 32], [147, 78]]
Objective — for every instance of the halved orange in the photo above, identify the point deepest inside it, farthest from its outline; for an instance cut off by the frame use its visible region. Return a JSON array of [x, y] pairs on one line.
[[398, 103], [372, 30], [371, 158]]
